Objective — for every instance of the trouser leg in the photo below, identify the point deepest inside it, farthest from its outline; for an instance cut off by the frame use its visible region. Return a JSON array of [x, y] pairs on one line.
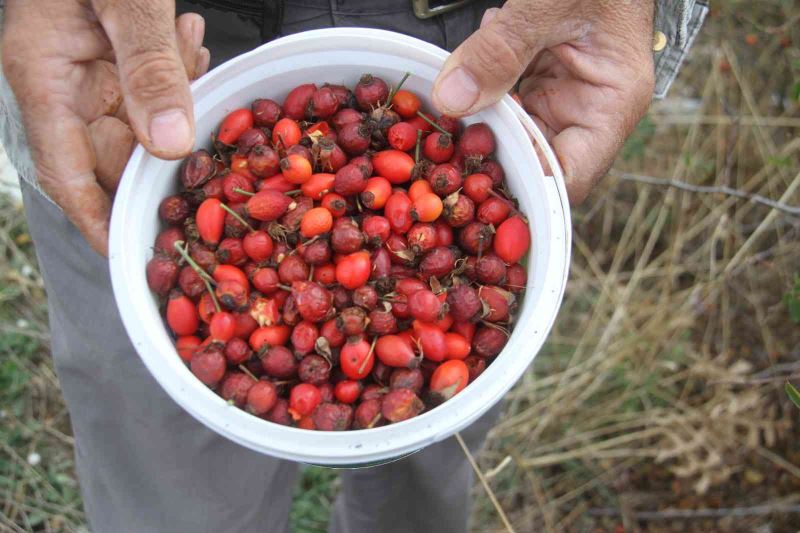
[[428, 492], [144, 464]]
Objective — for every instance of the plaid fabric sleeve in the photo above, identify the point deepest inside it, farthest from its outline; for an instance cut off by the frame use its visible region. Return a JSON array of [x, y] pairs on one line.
[[677, 24]]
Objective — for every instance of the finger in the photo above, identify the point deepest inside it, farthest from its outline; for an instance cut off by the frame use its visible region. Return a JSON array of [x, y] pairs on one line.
[[585, 155], [99, 92], [66, 174], [190, 29], [113, 142], [203, 61], [584, 139], [154, 82], [548, 133], [489, 63]]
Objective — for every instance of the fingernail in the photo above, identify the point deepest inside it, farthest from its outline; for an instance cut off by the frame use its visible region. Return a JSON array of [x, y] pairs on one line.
[[458, 91], [170, 131]]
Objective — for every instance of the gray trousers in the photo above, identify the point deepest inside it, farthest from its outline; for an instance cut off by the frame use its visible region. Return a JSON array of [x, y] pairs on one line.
[[144, 464]]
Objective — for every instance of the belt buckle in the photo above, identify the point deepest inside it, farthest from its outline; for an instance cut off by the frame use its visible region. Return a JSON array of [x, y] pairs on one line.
[[423, 9]]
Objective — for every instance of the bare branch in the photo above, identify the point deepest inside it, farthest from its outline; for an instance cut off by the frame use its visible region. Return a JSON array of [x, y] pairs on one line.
[[708, 189]]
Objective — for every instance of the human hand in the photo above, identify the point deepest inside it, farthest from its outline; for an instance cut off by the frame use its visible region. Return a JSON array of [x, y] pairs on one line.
[[586, 70], [90, 79]]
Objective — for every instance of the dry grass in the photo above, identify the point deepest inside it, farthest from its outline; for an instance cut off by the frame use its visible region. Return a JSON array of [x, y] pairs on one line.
[[661, 385], [657, 404]]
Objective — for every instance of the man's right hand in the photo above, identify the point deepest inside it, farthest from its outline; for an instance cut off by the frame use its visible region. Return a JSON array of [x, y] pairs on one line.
[[91, 77]]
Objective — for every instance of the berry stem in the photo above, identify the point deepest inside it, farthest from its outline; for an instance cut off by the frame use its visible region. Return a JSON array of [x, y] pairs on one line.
[[498, 195], [369, 355], [495, 326], [443, 131], [244, 192], [416, 148], [374, 421], [235, 215], [244, 369], [213, 296], [397, 88], [311, 273], [207, 280], [281, 145], [514, 210], [197, 268], [294, 192], [285, 287], [313, 239]]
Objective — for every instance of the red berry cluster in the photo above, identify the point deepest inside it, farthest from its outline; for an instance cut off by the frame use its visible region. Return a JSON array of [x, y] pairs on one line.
[[343, 261]]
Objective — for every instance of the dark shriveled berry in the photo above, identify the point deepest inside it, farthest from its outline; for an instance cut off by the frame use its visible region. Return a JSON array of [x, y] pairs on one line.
[[250, 138], [464, 303], [350, 180], [190, 282], [317, 253], [460, 211], [365, 297], [162, 274], [197, 169], [292, 269], [346, 237], [347, 116], [312, 299], [382, 322], [280, 413], [173, 209], [332, 417], [401, 404], [370, 92], [488, 341], [475, 238], [352, 321], [475, 365], [407, 378], [445, 179], [368, 414], [279, 362], [208, 364], [438, 262], [354, 138], [234, 388], [516, 278], [266, 112], [490, 269], [314, 369], [341, 298]]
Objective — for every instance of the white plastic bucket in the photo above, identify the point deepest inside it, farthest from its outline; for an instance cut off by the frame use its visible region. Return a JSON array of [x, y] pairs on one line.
[[339, 55]]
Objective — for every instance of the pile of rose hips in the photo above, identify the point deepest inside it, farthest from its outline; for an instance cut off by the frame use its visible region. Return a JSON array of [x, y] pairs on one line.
[[343, 261]]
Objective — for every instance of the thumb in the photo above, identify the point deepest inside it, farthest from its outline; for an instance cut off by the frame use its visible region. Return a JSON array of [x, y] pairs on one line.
[[154, 82], [489, 63]]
